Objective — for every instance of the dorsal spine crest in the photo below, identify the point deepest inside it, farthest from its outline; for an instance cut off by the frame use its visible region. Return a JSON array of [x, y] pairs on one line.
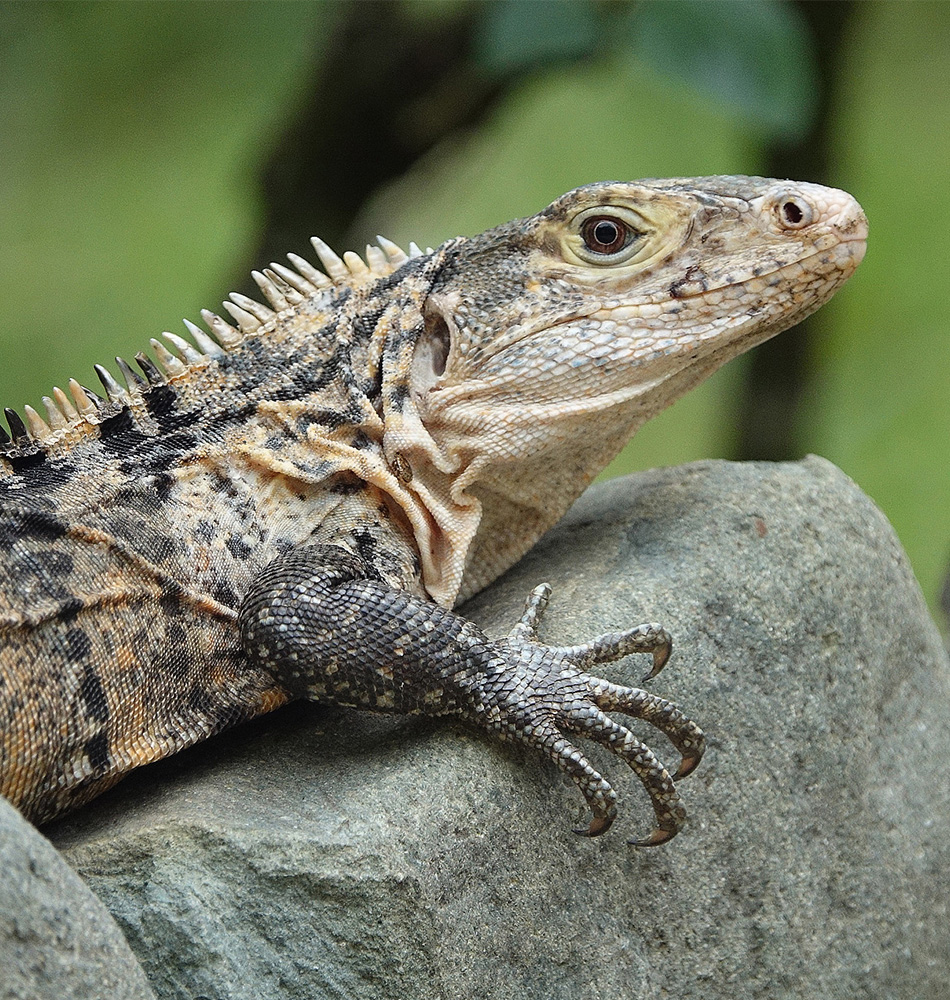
[[284, 288]]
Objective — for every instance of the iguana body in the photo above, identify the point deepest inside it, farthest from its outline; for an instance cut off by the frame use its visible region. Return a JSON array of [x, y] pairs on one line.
[[292, 509]]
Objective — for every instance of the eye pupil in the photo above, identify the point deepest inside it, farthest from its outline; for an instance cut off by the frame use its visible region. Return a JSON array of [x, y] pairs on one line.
[[605, 235]]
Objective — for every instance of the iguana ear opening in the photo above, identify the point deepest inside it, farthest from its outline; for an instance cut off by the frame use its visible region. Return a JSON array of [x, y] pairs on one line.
[[431, 351]]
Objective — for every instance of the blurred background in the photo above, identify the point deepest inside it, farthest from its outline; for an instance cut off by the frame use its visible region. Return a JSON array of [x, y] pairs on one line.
[[151, 154]]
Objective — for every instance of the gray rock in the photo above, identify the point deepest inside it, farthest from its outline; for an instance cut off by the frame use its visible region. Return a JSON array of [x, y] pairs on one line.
[[321, 853], [57, 941]]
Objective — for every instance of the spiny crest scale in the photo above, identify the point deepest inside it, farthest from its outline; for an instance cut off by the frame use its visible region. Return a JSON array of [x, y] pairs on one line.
[[272, 292], [39, 429], [114, 392], [185, 350]]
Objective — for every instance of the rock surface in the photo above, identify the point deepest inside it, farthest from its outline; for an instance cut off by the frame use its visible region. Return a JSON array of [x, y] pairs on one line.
[[57, 941], [322, 853]]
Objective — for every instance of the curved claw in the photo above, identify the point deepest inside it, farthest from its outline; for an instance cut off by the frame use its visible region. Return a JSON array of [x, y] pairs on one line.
[[657, 836], [547, 691], [688, 764], [682, 732], [598, 825], [660, 655]]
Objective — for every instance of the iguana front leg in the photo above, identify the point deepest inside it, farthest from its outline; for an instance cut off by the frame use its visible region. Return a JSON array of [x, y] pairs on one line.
[[329, 628]]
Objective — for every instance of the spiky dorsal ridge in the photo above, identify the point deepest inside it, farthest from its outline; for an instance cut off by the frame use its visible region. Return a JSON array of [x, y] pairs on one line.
[[284, 289]]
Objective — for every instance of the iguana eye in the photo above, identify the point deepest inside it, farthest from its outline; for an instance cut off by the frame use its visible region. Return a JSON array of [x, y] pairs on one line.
[[793, 211], [606, 234]]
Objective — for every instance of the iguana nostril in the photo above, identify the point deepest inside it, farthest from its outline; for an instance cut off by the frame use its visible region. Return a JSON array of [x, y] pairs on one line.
[[793, 214]]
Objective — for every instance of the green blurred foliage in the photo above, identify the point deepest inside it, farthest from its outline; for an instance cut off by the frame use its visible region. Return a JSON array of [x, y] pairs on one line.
[[135, 140], [881, 402], [512, 36], [130, 140], [755, 57]]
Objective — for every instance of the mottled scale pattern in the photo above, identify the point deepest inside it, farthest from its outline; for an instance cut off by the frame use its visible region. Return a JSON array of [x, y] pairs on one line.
[[290, 502], [128, 544]]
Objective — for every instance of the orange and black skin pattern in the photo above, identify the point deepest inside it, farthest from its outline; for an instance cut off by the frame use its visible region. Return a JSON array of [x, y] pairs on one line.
[[291, 506]]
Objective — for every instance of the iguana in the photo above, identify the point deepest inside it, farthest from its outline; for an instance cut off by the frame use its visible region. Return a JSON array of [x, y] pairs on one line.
[[290, 506]]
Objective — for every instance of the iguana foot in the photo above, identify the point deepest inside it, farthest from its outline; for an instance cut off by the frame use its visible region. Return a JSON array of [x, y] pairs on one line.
[[546, 691], [327, 630]]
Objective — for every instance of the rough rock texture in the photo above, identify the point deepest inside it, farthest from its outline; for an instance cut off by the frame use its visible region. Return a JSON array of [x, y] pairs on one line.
[[57, 941], [328, 854]]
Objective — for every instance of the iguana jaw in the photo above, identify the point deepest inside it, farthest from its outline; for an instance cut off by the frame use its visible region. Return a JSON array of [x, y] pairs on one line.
[[543, 343]]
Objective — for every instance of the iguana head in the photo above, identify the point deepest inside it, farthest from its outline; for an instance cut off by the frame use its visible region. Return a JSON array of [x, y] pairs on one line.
[[548, 341]]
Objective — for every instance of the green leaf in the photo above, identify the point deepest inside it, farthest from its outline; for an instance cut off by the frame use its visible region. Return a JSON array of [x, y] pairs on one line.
[[753, 55], [517, 34]]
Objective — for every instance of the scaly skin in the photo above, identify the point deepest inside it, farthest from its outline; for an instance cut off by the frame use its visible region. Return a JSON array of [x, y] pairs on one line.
[[293, 508]]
